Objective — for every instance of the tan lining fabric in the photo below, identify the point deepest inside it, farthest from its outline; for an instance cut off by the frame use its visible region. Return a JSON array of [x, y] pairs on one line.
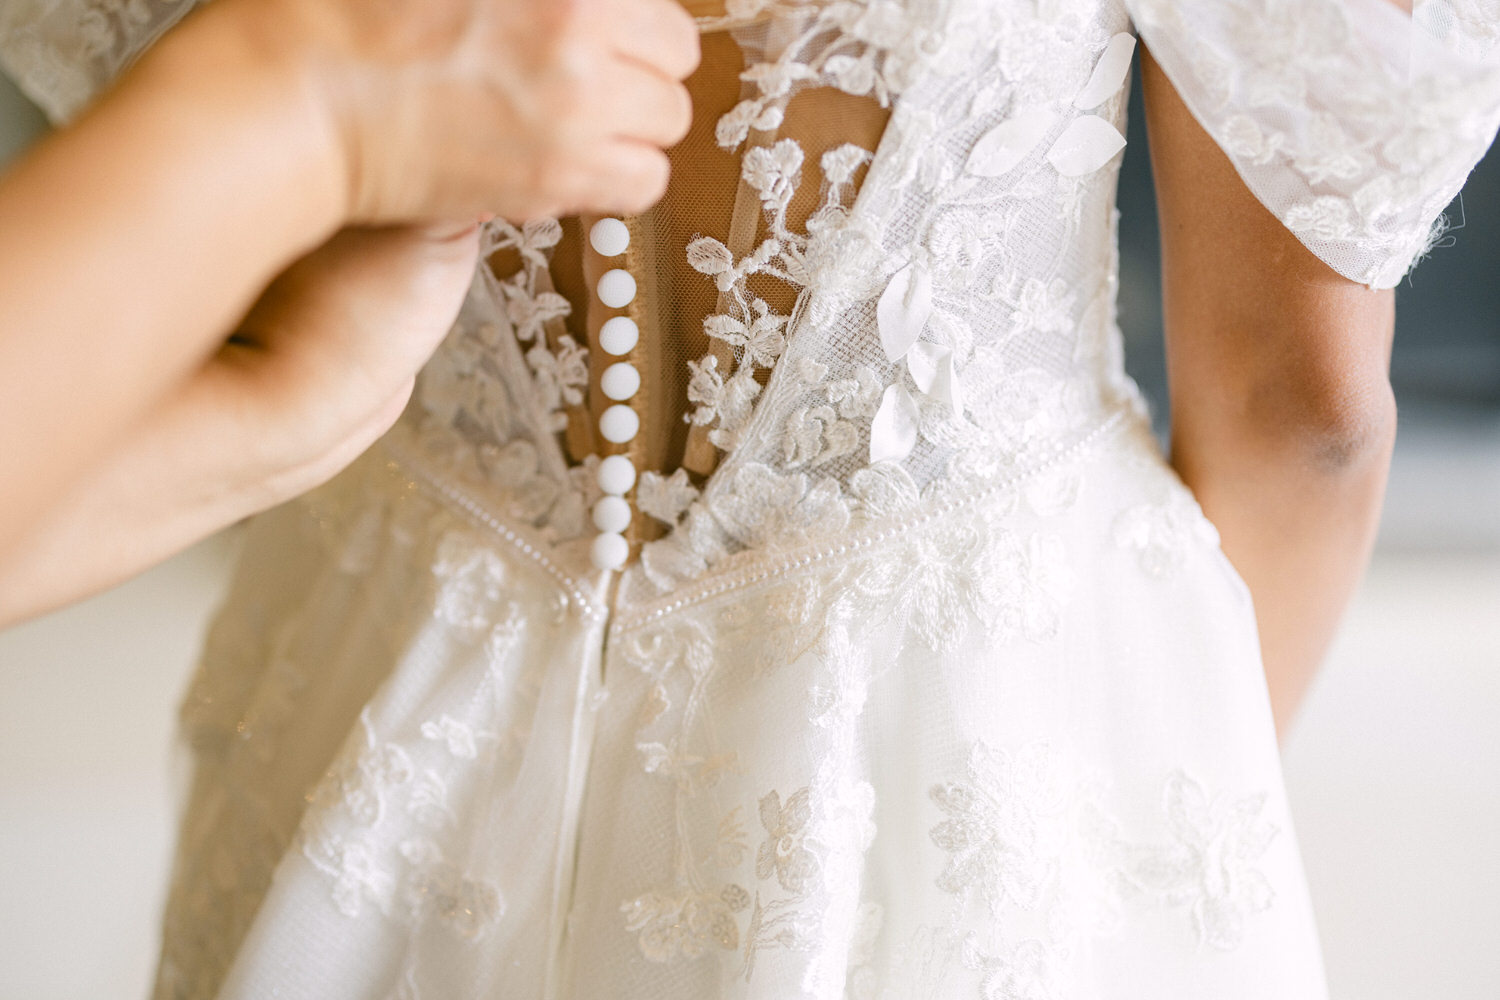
[[672, 299]]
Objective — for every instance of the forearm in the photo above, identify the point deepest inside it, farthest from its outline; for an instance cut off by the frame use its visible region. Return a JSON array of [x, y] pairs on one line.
[[323, 366], [158, 218], [1282, 424], [1282, 414], [1297, 513], [128, 512], [165, 486]]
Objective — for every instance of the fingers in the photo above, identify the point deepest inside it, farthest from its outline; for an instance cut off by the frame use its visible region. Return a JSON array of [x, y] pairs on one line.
[[539, 106], [640, 175], [643, 105], [624, 177], [659, 34]]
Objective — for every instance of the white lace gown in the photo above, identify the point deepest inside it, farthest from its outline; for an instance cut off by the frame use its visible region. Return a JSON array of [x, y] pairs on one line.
[[931, 681]]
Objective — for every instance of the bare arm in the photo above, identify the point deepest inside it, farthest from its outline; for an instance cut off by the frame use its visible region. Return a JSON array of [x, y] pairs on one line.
[[1282, 414], [321, 367], [134, 242], [131, 243]]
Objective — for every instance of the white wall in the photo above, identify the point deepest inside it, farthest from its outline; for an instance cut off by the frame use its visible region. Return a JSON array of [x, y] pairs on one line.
[[1392, 770], [89, 780]]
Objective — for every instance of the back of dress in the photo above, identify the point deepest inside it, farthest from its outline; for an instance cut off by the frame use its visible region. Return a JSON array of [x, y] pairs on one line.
[[921, 674]]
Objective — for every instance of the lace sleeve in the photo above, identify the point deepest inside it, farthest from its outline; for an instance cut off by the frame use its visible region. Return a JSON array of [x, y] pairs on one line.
[[63, 52], [1353, 122]]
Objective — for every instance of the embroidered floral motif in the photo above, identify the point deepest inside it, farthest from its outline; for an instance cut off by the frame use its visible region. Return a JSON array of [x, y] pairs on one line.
[[954, 573], [1208, 863], [427, 801], [764, 507], [466, 905], [993, 831], [686, 926], [471, 581], [361, 785], [340, 838], [458, 736], [782, 853], [560, 377], [1164, 534], [1032, 970], [1347, 164], [756, 332], [665, 497]]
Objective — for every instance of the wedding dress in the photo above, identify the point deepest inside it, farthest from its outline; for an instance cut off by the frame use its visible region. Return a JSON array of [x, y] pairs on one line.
[[921, 675]]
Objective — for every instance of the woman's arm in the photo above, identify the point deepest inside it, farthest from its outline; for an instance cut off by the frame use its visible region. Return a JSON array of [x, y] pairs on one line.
[[1282, 414], [321, 367], [130, 243]]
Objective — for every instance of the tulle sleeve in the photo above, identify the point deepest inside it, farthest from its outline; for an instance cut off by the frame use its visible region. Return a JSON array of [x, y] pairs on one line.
[[62, 53], [1352, 121]]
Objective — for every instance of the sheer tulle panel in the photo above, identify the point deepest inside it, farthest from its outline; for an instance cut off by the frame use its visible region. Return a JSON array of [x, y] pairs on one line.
[[712, 195]]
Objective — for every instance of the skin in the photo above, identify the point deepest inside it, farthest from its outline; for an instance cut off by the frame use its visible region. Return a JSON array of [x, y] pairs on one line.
[[1283, 418], [288, 197]]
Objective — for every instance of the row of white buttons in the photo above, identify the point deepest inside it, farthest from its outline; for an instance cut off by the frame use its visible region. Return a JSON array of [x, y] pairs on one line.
[[620, 381]]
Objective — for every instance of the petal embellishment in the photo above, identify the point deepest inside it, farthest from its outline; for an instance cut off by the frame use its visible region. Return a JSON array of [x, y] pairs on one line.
[[1109, 72], [924, 361], [931, 368], [1085, 146], [903, 309], [708, 256], [893, 432], [1007, 144]]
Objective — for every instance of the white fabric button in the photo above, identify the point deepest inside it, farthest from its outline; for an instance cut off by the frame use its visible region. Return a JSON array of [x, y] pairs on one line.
[[609, 237], [609, 551], [612, 514], [616, 475], [616, 288], [620, 380], [619, 423], [619, 335]]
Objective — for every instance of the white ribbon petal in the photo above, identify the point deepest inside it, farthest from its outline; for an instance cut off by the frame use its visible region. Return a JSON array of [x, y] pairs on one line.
[[923, 363], [1007, 144], [1086, 145], [893, 432], [903, 309], [931, 368], [1109, 73]]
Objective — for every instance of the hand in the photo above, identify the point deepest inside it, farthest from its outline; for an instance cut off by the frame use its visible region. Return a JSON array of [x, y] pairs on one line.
[[523, 108], [326, 359], [322, 366]]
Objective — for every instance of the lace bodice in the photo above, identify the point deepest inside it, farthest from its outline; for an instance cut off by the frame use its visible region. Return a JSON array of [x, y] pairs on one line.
[[883, 273]]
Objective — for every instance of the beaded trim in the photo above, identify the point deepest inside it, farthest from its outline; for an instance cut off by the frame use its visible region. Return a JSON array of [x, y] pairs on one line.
[[528, 543], [757, 569], [794, 560]]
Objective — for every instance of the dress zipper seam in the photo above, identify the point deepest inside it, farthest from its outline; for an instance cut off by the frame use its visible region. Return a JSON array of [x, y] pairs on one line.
[[580, 754]]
